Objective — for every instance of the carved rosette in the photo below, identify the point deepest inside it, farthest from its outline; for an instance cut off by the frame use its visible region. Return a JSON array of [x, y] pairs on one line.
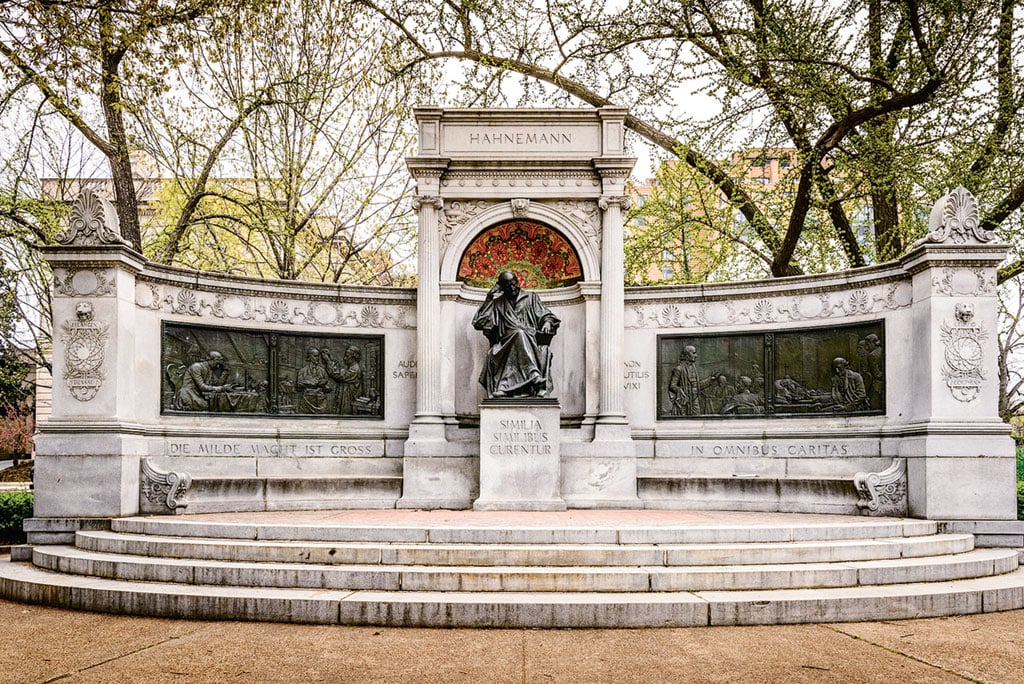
[[884, 493], [963, 354], [92, 222], [166, 489], [85, 343], [955, 219]]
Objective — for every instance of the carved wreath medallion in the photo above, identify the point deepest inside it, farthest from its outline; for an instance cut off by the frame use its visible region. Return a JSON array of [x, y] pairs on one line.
[[964, 354], [85, 343]]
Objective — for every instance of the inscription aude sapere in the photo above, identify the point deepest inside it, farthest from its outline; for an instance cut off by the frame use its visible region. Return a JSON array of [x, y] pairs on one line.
[[520, 437]]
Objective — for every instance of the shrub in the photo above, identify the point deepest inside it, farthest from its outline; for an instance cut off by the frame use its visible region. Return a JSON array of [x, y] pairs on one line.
[[14, 508], [16, 430], [1020, 501]]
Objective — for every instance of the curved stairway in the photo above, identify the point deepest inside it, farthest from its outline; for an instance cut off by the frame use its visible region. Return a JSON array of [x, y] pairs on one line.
[[573, 569]]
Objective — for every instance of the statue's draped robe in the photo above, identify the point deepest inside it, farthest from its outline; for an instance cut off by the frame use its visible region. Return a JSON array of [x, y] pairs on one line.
[[516, 363]]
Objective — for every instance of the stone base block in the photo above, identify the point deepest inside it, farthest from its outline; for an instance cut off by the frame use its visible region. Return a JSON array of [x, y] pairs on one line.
[[599, 482], [520, 466], [439, 482], [969, 488]]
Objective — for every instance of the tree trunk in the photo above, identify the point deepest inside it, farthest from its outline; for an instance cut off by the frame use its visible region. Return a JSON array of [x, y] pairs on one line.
[[112, 104]]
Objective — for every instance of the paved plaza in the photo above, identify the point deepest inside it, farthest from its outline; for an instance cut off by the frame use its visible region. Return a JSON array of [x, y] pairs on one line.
[[47, 644]]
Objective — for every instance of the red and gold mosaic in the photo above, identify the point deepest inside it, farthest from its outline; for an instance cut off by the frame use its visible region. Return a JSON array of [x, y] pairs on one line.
[[538, 255]]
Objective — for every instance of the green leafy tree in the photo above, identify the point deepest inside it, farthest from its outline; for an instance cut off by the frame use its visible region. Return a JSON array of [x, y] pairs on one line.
[[79, 56], [872, 95]]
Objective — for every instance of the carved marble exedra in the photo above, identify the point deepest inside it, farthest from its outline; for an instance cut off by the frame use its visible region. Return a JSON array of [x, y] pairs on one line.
[[92, 222], [83, 282], [188, 302], [955, 219], [964, 354], [883, 493], [819, 306], [85, 344], [164, 488]]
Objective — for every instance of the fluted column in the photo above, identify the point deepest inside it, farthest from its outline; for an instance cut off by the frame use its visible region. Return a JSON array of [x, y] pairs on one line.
[[428, 311], [612, 406]]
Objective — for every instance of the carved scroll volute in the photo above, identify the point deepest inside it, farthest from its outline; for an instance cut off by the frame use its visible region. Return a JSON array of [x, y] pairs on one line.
[[92, 222], [955, 219]]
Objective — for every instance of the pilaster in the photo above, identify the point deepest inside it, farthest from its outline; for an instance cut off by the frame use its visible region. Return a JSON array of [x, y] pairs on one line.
[[87, 459], [960, 459]]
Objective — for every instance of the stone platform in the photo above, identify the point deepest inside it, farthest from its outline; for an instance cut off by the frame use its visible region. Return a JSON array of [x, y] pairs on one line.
[[521, 569]]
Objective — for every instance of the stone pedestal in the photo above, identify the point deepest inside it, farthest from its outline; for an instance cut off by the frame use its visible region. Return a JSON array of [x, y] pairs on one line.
[[520, 467]]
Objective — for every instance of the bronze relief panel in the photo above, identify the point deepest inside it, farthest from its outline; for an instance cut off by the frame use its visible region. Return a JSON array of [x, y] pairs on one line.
[[838, 370], [244, 372]]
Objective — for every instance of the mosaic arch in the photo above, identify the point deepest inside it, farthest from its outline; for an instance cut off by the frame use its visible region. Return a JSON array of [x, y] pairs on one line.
[[539, 255]]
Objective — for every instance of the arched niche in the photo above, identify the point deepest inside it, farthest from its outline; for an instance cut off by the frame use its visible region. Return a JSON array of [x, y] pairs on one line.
[[586, 248], [542, 257]]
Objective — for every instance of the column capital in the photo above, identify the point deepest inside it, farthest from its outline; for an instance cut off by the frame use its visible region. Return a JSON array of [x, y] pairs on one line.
[[624, 202], [419, 201]]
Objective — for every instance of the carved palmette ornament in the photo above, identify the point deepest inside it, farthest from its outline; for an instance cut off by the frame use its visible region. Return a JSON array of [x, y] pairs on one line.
[[85, 343], [92, 221], [955, 219], [164, 488], [883, 493], [963, 354]]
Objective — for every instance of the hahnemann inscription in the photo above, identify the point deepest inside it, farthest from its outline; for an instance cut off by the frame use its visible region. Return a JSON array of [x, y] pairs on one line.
[[553, 138]]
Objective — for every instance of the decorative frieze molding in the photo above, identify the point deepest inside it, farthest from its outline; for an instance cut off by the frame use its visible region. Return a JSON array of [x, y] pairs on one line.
[[526, 179], [92, 222], [83, 282], [954, 282], [162, 488], [964, 354], [884, 493], [954, 219], [85, 344], [819, 306], [457, 213], [584, 213], [188, 302]]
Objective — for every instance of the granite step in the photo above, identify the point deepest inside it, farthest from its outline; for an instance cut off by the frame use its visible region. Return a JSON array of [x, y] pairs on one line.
[[619, 533], [339, 553], [27, 583], [976, 563]]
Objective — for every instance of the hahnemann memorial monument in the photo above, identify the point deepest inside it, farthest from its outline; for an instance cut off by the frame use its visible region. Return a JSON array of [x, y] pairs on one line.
[[520, 373]]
